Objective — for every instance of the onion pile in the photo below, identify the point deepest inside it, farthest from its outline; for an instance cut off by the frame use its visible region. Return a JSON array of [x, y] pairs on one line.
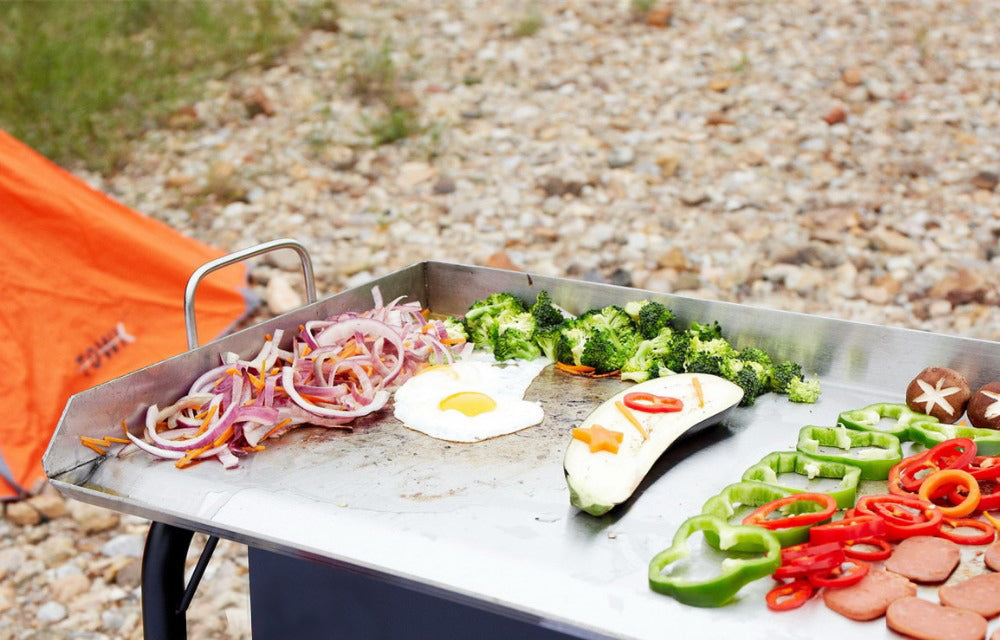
[[335, 370]]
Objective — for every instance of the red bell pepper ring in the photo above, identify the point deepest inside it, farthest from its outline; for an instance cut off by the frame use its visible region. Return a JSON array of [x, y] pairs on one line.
[[990, 496], [882, 553], [759, 517], [986, 535], [786, 597], [801, 560], [652, 403], [925, 519], [837, 577], [849, 528], [984, 468], [956, 453], [895, 481]]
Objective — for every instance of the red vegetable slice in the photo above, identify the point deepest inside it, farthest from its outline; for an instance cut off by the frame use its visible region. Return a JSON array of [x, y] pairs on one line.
[[899, 524], [838, 577], [759, 517], [786, 597], [849, 528], [985, 535], [652, 403], [984, 468], [801, 560], [883, 552]]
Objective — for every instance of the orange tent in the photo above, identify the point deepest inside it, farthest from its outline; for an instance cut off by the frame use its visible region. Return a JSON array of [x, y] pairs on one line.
[[90, 290]]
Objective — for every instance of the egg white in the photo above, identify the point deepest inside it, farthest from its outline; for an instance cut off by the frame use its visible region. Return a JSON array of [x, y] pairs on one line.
[[417, 401]]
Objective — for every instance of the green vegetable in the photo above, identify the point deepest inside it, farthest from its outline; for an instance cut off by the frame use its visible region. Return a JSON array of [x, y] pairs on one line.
[[806, 391], [773, 464], [547, 339], [756, 494], [515, 344], [736, 570], [648, 359], [869, 419], [544, 312], [751, 376], [782, 375], [872, 452], [650, 317], [933, 433], [606, 350], [482, 318], [455, 328]]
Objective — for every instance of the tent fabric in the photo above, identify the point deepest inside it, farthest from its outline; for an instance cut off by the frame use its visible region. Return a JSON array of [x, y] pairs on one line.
[[89, 290]]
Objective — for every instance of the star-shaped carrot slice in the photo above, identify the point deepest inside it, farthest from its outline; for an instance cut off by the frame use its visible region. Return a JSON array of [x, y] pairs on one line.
[[599, 438]]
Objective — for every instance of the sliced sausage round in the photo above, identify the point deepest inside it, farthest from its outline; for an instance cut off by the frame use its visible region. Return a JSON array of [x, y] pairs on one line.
[[924, 559], [992, 557], [925, 620], [980, 594], [869, 598]]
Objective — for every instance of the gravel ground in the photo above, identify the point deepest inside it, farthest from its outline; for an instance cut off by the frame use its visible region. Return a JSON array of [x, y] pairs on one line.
[[837, 158]]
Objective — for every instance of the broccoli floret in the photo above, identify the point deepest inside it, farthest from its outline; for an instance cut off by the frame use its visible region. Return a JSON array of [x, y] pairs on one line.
[[455, 329], [481, 320], [611, 317], [547, 339], [752, 377], [753, 354], [606, 351], [677, 350], [515, 344], [806, 391], [706, 331], [782, 375], [545, 313], [648, 359], [704, 363], [650, 317], [572, 340]]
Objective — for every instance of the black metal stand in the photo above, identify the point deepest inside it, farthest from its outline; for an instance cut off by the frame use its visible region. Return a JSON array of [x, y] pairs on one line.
[[165, 599]]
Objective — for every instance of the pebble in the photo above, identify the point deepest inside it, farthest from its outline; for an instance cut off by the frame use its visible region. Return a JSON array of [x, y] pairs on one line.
[[280, 296], [50, 505], [51, 612], [128, 545], [621, 157], [66, 588], [22, 513]]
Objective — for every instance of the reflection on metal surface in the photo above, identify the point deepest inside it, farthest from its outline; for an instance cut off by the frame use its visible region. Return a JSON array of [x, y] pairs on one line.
[[490, 523]]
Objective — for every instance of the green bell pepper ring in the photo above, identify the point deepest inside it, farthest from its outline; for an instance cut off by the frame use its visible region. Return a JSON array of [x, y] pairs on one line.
[[873, 452], [735, 571], [755, 494], [931, 434], [772, 464], [869, 419]]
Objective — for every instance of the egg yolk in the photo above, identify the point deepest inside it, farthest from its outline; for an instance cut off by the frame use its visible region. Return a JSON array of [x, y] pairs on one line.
[[471, 403]]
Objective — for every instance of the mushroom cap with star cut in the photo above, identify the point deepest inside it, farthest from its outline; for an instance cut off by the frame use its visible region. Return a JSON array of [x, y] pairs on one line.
[[939, 392], [984, 406]]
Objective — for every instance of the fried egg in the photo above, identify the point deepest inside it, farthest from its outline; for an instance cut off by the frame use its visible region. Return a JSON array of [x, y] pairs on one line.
[[470, 400]]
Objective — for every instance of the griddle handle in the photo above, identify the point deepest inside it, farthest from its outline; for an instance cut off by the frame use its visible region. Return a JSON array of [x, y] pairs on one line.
[[240, 256], [163, 560]]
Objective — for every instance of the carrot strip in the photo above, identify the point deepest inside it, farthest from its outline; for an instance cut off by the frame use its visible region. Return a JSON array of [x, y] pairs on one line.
[[609, 374], [576, 369], [124, 427], [425, 312], [275, 428], [697, 389], [631, 418], [114, 439], [191, 455], [225, 436], [452, 340], [94, 447], [208, 418]]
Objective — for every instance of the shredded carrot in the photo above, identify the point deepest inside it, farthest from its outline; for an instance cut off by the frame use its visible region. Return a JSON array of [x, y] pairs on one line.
[[306, 350], [275, 428], [425, 312], [993, 521], [257, 448], [225, 436], [697, 389], [576, 369], [208, 418], [267, 337], [631, 418], [191, 455], [427, 327], [609, 374], [118, 440], [452, 340], [125, 427], [231, 371], [302, 327], [96, 448]]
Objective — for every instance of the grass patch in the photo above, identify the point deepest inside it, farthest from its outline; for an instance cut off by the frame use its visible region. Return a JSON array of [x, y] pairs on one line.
[[375, 79], [643, 6], [82, 79], [529, 24]]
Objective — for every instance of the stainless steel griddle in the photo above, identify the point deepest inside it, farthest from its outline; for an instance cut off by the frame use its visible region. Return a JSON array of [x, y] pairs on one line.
[[490, 524]]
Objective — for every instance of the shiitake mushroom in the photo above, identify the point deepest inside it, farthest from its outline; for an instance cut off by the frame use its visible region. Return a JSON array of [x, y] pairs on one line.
[[939, 392], [984, 406]]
